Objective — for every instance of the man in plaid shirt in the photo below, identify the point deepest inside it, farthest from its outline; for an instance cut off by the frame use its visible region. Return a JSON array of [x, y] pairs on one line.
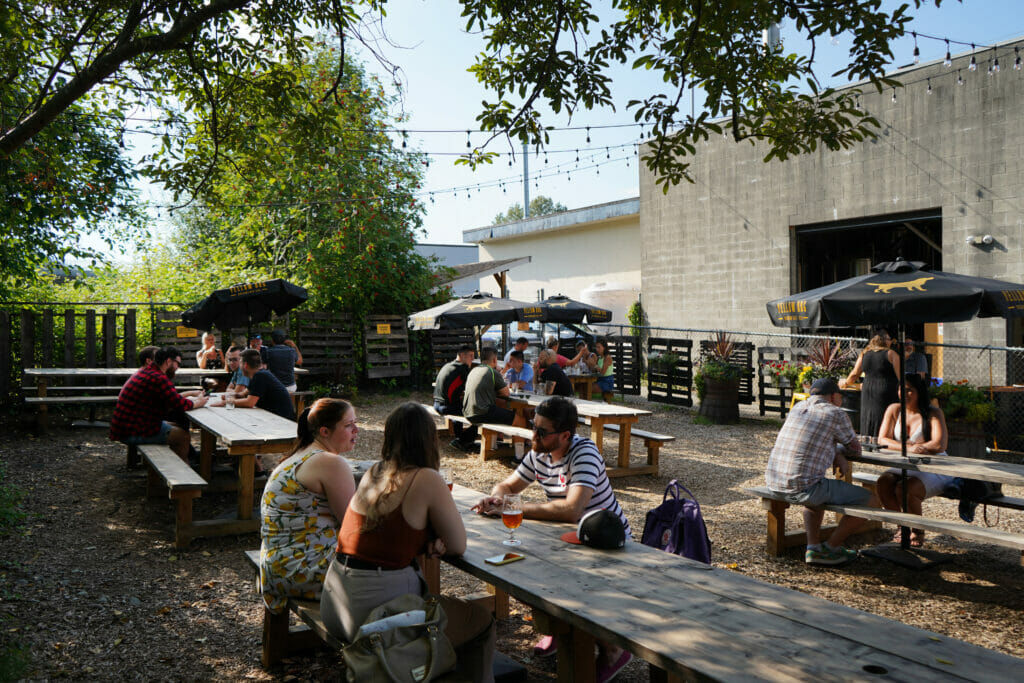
[[145, 401], [804, 451]]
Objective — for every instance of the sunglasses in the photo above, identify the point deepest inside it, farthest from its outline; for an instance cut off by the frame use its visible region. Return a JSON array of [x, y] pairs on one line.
[[541, 432]]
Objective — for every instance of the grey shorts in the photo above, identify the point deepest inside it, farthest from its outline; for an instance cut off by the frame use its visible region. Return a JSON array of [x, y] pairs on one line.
[[830, 491]]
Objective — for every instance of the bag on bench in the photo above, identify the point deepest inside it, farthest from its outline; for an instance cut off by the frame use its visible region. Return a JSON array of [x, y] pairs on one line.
[[677, 526], [971, 493]]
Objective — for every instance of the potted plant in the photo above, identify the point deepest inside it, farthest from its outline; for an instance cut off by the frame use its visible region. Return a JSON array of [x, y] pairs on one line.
[[782, 373], [717, 381], [825, 358], [967, 410]]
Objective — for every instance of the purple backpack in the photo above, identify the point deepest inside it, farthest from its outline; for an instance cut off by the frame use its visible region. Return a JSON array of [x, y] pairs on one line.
[[676, 526]]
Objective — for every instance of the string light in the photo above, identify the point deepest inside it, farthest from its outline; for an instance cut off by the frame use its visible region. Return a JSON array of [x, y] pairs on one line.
[[467, 140], [973, 66], [995, 62], [959, 78], [894, 94], [929, 86], [1016, 59], [917, 51], [588, 135], [948, 61]]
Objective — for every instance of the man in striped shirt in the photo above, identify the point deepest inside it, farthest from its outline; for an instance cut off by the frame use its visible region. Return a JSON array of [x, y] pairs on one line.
[[572, 474]]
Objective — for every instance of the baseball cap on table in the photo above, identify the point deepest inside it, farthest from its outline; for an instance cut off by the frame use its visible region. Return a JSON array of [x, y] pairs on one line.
[[599, 529], [824, 386]]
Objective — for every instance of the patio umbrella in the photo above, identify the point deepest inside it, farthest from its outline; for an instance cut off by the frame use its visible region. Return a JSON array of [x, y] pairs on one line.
[[562, 309], [244, 304], [895, 294], [474, 310]]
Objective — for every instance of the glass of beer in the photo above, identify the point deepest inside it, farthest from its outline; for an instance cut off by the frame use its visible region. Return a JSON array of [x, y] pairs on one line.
[[446, 474], [512, 517]]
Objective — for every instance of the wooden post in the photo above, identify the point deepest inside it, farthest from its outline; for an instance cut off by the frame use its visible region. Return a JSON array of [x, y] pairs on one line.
[[110, 338], [130, 356], [47, 345], [5, 354], [69, 338], [28, 341], [90, 339]]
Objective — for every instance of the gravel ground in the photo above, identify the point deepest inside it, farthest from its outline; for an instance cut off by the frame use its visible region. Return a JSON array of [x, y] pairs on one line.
[[94, 589]]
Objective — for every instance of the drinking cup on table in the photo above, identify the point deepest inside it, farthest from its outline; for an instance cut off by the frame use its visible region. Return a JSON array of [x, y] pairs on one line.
[[446, 475], [229, 400]]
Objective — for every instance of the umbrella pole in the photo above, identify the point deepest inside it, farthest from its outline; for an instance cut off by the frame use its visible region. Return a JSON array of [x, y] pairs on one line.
[[902, 337]]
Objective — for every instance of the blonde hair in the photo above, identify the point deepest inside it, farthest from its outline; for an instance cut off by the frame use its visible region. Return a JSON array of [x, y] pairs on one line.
[[877, 342]]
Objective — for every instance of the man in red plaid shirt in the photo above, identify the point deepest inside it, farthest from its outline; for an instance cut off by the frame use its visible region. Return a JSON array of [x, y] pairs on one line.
[[145, 401]]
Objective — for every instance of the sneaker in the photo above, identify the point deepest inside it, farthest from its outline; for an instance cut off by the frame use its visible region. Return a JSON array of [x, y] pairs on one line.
[[966, 510], [545, 647], [607, 673], [827, 555]]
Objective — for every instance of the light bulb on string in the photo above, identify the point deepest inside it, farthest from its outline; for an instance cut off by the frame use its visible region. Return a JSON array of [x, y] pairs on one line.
[[577, 156], [607, 154], [929, 86], [894, 94], [467, 140], [1016, 59], [948, 61], [995, 61], [959, 78], [917, 51], [588, 135], [973, 66]]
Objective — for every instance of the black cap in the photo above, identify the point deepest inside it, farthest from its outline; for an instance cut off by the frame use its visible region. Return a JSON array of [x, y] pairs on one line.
[[824, 386], [599, 529]]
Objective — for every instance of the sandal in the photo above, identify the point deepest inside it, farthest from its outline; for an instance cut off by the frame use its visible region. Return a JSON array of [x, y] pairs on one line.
[[916, 538]]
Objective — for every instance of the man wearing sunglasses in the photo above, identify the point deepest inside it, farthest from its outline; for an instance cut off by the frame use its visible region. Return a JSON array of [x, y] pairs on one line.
[[572, 473]]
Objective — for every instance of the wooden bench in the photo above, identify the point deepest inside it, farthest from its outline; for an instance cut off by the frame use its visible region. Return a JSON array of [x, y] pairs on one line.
[[299, 400], [776, 523], [279, 638], [448, 419], [489, 434], [182, 482], [652, 442]]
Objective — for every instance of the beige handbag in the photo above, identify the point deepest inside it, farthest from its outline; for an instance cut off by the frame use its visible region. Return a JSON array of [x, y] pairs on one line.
[[410, 647]]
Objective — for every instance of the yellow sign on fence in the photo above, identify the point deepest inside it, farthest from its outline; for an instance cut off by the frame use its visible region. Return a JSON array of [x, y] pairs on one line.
[[181, 331], [383, 328]]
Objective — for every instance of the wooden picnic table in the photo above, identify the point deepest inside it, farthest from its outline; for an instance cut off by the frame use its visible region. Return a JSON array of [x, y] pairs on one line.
[[969, 468], [246, 432], [583, 385], [599, 414], [692, 621]]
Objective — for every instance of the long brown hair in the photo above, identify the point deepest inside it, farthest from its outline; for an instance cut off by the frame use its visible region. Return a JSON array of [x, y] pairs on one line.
[[410, 442], [877, 342], [325, 412]]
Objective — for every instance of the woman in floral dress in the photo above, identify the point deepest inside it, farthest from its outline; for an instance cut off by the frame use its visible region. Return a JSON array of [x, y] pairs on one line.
[[303, 504]]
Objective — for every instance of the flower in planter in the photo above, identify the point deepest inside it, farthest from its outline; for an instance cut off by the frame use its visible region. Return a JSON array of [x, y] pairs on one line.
[[826, 359], [717, 365]]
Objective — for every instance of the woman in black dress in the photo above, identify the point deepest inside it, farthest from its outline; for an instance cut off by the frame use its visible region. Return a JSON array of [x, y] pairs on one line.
[[878, 362]]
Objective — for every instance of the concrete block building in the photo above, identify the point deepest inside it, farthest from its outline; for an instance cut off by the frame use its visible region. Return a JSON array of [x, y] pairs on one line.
[[943, 183]]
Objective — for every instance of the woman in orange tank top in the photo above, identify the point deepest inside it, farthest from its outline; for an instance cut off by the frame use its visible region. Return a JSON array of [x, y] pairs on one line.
[[403, 508]]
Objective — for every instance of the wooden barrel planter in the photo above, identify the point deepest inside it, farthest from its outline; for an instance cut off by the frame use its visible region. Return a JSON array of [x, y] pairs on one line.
[[966, 439], [721, 402]]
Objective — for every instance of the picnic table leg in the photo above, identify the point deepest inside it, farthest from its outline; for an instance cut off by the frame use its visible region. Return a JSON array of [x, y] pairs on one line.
[[246, 473], [776, 527], [431, 568], [657, 675], [576, 660], [207, 444], [597, 432], [42, 421], [625, 435]]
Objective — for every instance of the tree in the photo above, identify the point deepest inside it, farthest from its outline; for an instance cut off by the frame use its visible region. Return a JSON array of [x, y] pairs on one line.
[[319, 194], [558, 52], [71, 179], [539, 206]]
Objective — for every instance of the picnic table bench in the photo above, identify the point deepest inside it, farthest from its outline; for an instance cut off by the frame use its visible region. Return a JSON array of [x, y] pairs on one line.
[[183, 485]]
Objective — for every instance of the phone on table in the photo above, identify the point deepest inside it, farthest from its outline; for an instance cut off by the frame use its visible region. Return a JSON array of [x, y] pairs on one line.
[[504, 559]]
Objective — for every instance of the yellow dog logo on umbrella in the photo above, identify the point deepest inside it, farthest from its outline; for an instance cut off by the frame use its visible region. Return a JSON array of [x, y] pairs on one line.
[[911, 285]]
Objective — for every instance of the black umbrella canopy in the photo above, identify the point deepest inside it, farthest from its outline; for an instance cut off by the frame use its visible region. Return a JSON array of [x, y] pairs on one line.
[[899, 292], [562, 309], [473, 310], [244, 304]]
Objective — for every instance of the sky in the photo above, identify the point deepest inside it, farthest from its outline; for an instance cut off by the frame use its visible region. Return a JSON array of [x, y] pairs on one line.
[[441, 99]]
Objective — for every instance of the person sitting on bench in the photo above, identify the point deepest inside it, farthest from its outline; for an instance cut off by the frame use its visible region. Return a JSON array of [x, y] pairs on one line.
[[265, 390], [803, 453], [485, 389], [572, 473], [146, 402]]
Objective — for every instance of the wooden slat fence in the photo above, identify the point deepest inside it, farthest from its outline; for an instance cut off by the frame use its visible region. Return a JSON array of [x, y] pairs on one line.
[[386, 340], [670, 383], [326, 342], [626, 351], [444, 344], [771, 398]]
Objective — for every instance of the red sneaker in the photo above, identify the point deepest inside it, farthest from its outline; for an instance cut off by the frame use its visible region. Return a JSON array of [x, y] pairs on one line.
[[607, 673]]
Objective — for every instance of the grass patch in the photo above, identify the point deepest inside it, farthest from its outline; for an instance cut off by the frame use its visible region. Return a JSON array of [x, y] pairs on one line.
[[14, 661], [701, 420]]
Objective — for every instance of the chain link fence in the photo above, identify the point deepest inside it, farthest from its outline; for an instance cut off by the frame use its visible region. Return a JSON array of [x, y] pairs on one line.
[[996, 370]]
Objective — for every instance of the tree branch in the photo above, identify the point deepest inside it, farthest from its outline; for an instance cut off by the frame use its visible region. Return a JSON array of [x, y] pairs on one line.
[[106, 64]]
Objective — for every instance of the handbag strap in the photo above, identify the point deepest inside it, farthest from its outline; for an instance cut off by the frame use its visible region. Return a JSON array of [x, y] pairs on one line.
[[432, 639], [673, 488]]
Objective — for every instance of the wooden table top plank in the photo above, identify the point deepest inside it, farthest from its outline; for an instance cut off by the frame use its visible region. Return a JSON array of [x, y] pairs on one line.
[[971, 468], [114, 372], [695, 621], [244, 426]]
